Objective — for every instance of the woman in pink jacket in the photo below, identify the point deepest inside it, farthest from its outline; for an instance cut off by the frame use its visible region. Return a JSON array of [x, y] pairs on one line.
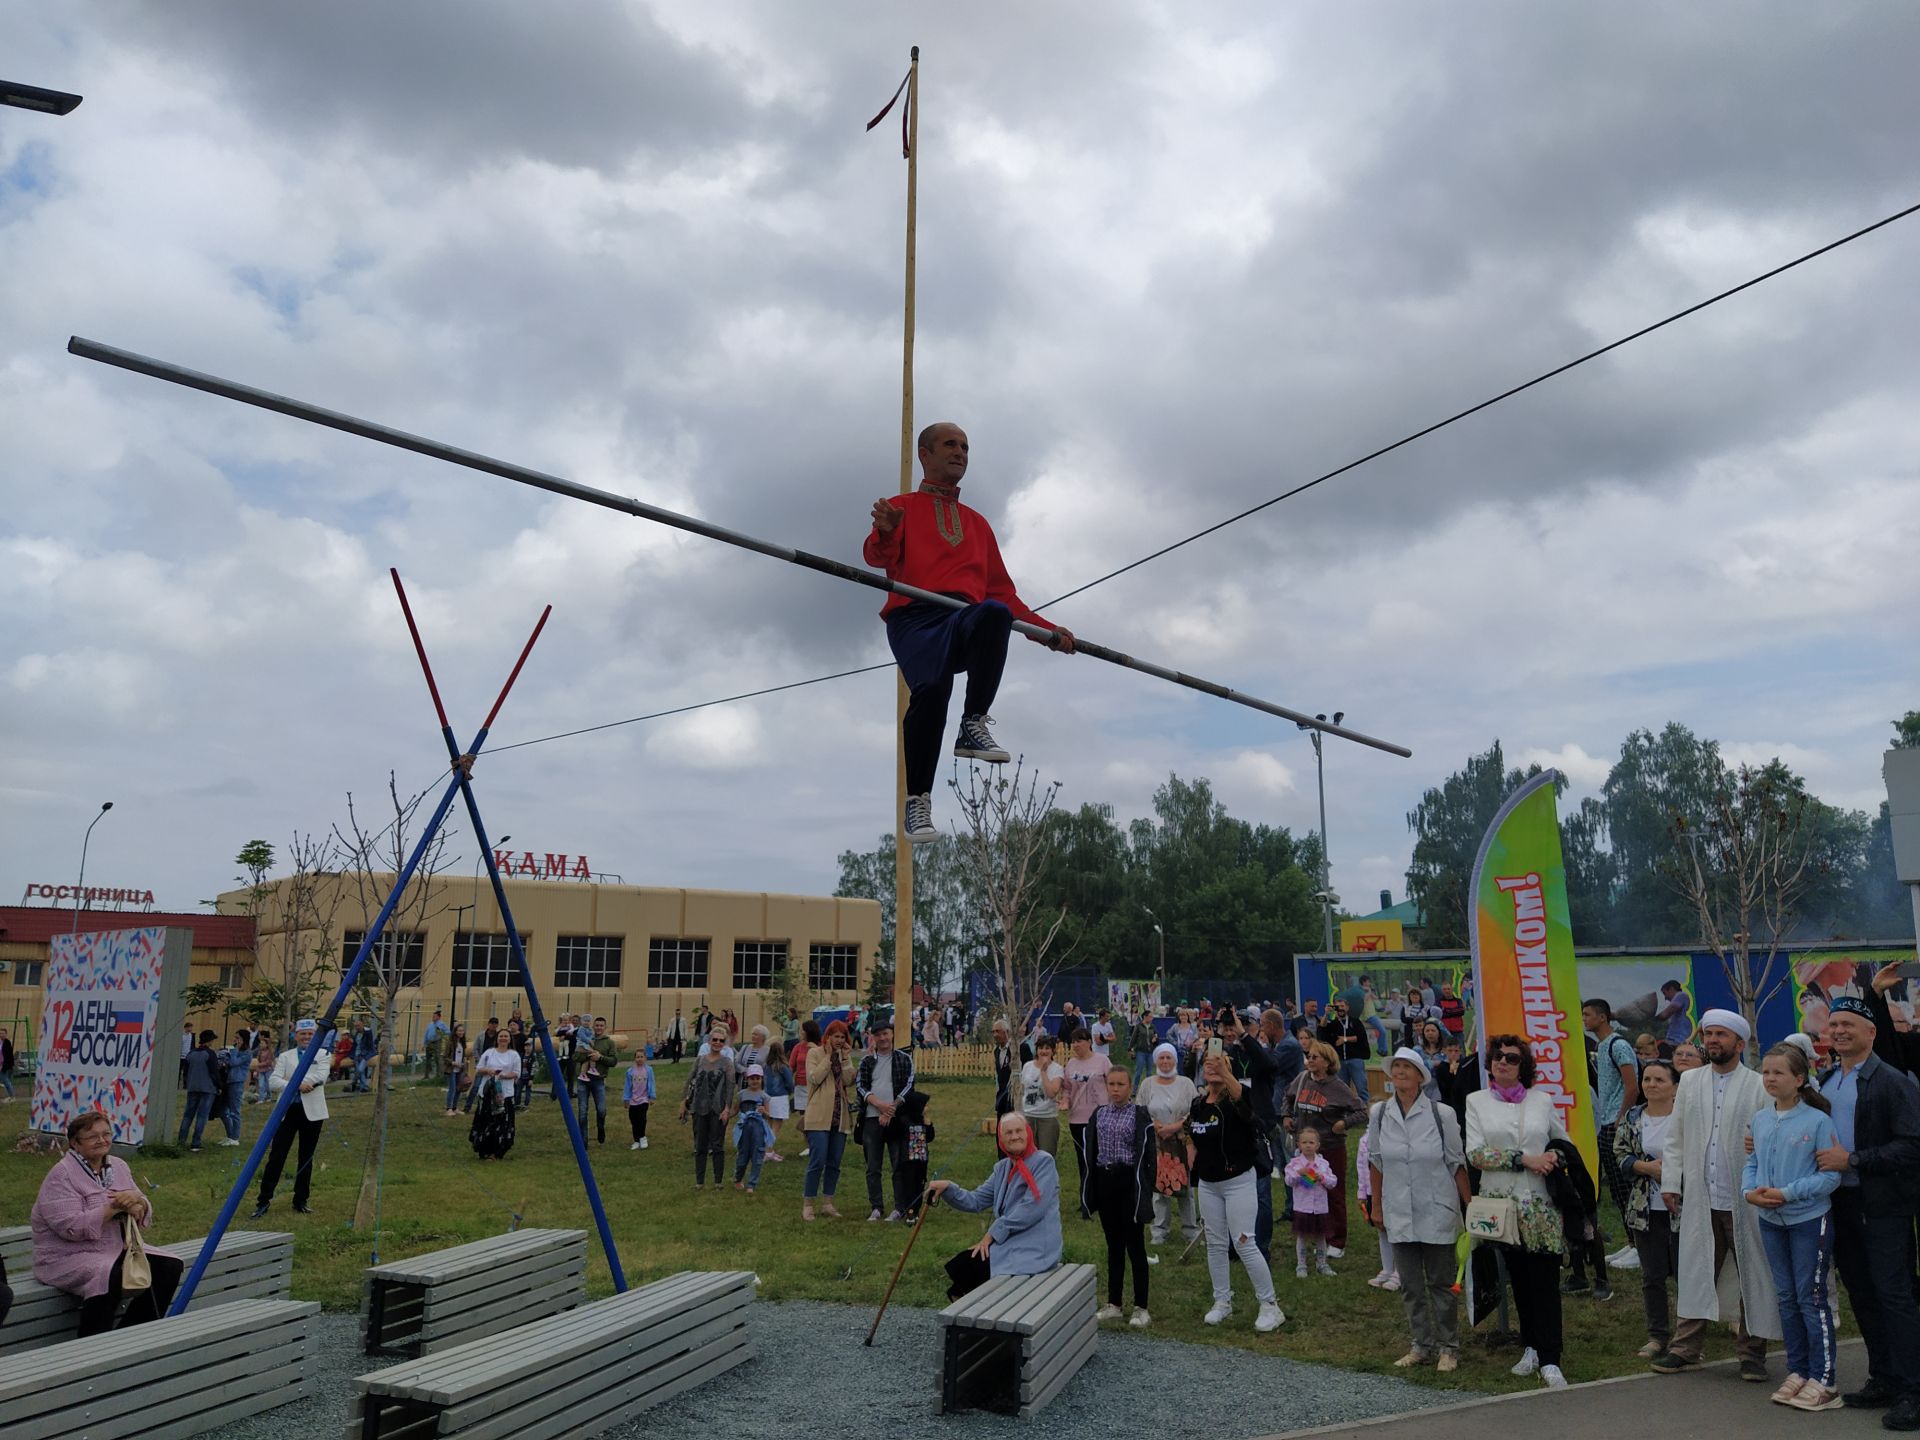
[[79, 1236]]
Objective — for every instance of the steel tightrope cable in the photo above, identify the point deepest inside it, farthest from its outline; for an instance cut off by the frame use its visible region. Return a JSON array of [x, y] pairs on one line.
[[1288, 494]]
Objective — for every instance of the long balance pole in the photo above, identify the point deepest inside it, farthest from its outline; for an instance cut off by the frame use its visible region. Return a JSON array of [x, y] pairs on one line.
[[902, 847], [554, 484]]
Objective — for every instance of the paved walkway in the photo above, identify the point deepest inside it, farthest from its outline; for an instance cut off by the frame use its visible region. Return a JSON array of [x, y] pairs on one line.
[[1707, 1404]]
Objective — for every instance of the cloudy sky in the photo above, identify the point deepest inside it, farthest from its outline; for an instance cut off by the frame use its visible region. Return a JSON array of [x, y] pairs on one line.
[[1174, 258]]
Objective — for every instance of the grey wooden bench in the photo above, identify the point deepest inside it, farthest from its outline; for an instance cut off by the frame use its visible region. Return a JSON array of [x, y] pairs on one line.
[[581, 1371], [249, 1265], [176, 1377], [432, 1301], [1013, 1344]]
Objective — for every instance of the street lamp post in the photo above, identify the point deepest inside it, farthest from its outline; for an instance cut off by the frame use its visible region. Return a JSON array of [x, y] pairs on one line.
[[32, 97], [1326, 882], [81, 889], [1163, 952]]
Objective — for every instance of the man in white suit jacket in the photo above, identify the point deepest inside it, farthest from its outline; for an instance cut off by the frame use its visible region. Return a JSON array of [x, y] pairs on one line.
[[303, 1120], [1723, 1269]]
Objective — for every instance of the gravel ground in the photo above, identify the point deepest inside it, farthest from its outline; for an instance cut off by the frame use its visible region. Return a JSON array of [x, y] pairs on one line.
[[1221, 1394]]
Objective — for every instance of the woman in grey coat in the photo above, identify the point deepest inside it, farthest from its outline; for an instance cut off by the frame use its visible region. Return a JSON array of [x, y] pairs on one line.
[[1419, 1176]]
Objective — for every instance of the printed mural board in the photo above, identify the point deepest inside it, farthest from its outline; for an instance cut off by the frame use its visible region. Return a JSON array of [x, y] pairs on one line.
[[1128, 998], [109, 1030]]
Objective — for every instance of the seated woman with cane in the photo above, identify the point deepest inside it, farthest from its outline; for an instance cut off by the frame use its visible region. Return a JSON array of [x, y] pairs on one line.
[[1022, 1193], [87, 1222]]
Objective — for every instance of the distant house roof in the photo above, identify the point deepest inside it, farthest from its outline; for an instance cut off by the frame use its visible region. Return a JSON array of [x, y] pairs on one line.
[[1406, 912], [38, 924]]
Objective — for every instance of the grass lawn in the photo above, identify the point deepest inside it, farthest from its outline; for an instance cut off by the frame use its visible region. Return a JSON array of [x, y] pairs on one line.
[[436, 1194]]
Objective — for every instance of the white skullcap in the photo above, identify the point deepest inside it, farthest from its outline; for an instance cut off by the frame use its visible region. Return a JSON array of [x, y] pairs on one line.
[[1727, 1020], [1415, 1059], [1804, 1044], [1167, 1050]]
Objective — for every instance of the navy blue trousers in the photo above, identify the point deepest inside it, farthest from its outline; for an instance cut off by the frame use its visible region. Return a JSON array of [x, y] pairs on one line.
[[932, 644]]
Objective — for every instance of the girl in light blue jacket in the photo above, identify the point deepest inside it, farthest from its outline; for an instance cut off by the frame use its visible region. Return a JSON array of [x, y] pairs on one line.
[[1783, 1181]]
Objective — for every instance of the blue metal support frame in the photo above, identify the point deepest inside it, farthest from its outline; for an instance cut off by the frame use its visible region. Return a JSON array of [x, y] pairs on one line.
[[462, 786]]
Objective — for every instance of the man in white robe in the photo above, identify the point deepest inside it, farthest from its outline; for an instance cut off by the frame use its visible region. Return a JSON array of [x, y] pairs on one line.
[[1723, 1269]]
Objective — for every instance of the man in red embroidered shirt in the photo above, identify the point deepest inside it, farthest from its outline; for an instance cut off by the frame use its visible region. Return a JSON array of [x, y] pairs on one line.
[[929, 540]]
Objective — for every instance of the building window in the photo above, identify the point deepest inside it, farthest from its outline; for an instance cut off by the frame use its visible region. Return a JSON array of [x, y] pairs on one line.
[[833, 967], [402, 957], [233, 977], [677, 964], [29, 972], [755, 961], [485, 961], [590, 961]]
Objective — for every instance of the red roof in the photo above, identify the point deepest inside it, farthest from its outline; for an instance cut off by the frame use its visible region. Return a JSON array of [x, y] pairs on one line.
[[38, 924]]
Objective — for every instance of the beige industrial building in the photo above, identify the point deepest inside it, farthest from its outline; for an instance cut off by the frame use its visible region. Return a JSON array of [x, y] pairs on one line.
[[632, 953]]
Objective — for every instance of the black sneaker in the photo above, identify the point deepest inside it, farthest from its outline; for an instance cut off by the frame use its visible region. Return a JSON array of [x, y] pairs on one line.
[[1603, 1291], [1668, 1363], [1871, 1396], [260, 1211], [1754, 1372], [1574, 1285], [1904, 1415], [303, 1209], [974, 743], [919, 826]]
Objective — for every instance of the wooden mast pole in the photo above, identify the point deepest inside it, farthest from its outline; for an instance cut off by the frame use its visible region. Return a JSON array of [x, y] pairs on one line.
[[902, 847]]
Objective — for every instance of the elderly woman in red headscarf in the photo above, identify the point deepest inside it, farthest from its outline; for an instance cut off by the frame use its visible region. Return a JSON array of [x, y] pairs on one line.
[[1022, 1194]]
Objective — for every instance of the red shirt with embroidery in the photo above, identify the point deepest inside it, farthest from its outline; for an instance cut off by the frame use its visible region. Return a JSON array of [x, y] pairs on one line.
[[944, 546]]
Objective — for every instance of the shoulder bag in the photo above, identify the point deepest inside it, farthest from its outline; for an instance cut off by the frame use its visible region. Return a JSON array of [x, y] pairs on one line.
[[136, 1272], [1495, 1218]]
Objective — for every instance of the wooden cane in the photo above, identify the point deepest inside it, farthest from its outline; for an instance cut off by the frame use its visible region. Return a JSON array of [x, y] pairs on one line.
[[926, 1205]]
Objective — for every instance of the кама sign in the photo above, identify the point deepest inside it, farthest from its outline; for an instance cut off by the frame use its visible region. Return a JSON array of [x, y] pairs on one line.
[[547, 867]]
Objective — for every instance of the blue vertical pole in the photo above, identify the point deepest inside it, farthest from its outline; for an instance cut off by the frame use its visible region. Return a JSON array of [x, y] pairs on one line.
[[292, 1091], [533, 1004]]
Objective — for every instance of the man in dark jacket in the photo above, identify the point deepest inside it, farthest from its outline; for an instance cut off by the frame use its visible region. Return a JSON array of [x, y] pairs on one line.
[[1876, 1113], [883, 1080], [206, 1078]]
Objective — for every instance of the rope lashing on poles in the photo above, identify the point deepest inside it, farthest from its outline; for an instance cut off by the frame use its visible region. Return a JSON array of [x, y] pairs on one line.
[[556, 485]]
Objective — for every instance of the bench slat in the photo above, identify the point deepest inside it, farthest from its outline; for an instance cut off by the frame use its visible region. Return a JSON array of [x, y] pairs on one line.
[[1039, 1351], [170, 1338], [565, 1291], [481, 1361], [1057, 1305], [1037, 1394], [105, 1413], [476, 1256]]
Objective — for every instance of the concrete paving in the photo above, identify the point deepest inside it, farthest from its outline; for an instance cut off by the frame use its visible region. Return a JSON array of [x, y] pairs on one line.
[[1710, 1403]]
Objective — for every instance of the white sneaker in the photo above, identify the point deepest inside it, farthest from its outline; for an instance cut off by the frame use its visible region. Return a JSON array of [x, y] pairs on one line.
[[1334, 1252], [1141, 1320], [228, 1144], [893, 1216], [1299, 1272], [636, 1145], [1551, 1377], [1392, 1282], [643, 1142], [1271, 1317], [1528, 1363], [1625, 1258], [1220, 1311], [1153, 1259], [1108, 1312], [1377, 1281], [919, 826], [873, 1217]]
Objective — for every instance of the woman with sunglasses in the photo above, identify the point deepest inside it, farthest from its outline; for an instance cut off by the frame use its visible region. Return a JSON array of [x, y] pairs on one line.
[[1509, 1126]]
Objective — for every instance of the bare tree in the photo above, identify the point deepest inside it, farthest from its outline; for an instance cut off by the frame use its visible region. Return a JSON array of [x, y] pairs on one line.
[[1007, 844], [1744, 868], [377, 859], [309, 902]]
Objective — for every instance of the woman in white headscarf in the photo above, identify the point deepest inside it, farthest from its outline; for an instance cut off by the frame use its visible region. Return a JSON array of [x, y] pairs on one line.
[[1169, 1096]]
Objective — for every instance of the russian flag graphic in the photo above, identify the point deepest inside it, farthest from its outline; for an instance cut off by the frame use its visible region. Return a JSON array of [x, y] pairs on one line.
[[129, 1022]]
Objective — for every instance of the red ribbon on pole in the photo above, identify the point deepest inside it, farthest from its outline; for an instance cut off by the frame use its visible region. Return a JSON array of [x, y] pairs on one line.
[[905, 154]]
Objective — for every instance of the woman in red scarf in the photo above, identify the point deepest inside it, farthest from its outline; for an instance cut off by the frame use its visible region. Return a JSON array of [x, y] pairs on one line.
[[1022, 1193]]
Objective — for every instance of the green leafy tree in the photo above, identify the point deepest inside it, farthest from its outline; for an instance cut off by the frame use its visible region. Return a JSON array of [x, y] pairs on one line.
[[947, 938], [1448, 825]]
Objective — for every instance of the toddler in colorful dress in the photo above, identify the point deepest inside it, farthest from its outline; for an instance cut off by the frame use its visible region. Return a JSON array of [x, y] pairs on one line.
[[1311, 1181]]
